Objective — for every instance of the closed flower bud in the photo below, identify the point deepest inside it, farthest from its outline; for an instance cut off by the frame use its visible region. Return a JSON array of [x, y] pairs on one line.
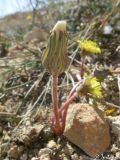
[[55, 57]]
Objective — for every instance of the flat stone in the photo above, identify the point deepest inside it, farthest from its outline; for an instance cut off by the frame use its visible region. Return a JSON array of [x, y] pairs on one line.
[[87, 128]]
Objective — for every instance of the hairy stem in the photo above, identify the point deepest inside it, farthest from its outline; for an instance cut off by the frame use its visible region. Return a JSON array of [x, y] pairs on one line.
[[55, 103], [68, 101], [64, 108], [73, 90], [82, 66]]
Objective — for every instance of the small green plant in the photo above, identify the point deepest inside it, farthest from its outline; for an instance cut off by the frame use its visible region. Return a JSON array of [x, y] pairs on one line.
[[56, 61]]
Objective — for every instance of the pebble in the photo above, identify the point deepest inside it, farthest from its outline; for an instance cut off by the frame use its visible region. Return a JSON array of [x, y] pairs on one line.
[[24, 157], [118, 155], [75, 156], [68, 149], [115, 124], [13, 152], [107, 30], [114, 148], [51, 144], [44, 154]]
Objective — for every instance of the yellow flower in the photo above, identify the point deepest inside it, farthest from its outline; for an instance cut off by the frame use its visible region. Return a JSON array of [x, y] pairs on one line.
[[94, 86], [89, 46], [29, 17], [91, 86]]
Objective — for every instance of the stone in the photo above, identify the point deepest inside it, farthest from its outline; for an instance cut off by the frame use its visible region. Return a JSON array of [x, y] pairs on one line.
[[13, 152], [68, 150], [51, 144], [75, 157], [117, 155], [107, 30], [87, 128], [115, 124], [44, 154], [24, 157], [114, 148], [21, 150], [29, 134]]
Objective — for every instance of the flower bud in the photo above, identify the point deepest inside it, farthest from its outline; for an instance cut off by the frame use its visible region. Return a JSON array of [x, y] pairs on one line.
[[55, 57]]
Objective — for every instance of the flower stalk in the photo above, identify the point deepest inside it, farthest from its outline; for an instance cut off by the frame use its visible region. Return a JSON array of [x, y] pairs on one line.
[[64, 108], [82, 65], [57, 127]]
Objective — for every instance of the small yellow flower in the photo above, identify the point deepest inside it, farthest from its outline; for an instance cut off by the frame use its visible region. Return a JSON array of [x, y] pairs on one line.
[[89, 46], [29, 17], [94, 86], [91, 86]]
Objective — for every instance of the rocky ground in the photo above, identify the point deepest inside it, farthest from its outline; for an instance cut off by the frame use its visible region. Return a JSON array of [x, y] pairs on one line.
[[25, 96]]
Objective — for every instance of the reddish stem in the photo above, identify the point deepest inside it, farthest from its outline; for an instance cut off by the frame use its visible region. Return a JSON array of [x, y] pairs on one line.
[[73, 90], [64, 109], [55, 103], [68, 101], [82, 66]]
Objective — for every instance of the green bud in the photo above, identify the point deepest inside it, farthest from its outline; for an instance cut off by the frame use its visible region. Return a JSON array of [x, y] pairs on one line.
[[55, 58]]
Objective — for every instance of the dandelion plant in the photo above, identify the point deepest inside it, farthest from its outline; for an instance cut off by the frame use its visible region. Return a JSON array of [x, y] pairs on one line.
[[56, 61]]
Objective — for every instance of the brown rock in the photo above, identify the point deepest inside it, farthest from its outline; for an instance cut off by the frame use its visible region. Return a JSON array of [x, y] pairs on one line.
[[13, 152], [87, 128], [30, 134]]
